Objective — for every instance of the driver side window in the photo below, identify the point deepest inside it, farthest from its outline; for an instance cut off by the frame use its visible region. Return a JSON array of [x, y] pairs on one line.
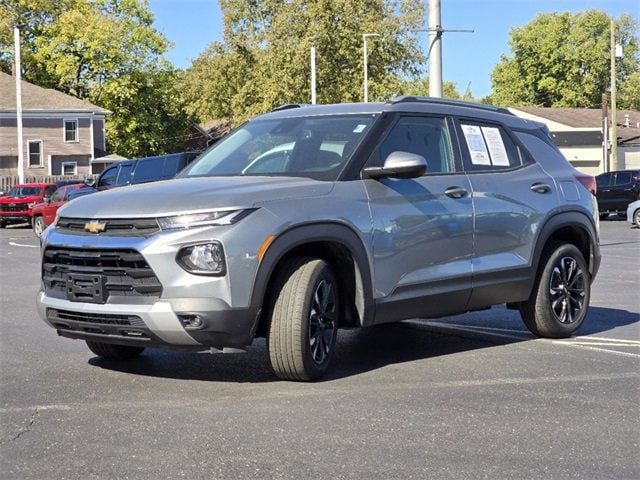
[[425, 136]]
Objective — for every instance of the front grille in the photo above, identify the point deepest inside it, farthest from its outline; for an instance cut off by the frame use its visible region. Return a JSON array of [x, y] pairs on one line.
[[125, 227], [14, 208], [55, 315], [120, 272]]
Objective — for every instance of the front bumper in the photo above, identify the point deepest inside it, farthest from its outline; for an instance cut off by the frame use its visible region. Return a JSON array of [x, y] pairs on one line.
[[158, 324], [15, 217]]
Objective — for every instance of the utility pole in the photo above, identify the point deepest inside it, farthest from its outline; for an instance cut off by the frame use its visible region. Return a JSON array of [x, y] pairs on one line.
[[614, 120], [434, 54], [18, 71], [435, 49], [313, 75], [366, 66]]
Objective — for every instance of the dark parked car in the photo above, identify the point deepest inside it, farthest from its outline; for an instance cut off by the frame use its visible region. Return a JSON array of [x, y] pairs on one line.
[[616, 190], [143, 170]]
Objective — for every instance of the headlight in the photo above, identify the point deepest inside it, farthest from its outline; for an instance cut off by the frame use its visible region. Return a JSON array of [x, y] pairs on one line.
[[203, 259], [224, 217]]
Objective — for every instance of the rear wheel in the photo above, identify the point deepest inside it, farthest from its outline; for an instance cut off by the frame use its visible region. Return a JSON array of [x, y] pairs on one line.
[[120, 352], [304, 320], [636, 217], [560, 299], [38, 225]]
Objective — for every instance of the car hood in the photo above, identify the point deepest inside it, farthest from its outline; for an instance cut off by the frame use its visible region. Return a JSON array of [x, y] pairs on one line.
[[30, 199], [182, 195]]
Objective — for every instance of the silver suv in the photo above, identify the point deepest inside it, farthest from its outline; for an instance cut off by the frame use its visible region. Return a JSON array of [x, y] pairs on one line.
[[313, 218]]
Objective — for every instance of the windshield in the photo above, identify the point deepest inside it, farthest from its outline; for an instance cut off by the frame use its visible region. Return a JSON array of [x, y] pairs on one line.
[[313, 147], [24, 191]]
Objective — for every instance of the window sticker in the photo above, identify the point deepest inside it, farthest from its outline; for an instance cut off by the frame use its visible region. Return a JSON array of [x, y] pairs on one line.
[[477, 147], [359, 129], [496, 146]]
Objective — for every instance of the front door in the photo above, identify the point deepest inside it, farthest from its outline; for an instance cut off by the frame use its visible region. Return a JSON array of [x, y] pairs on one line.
[[422, 227]]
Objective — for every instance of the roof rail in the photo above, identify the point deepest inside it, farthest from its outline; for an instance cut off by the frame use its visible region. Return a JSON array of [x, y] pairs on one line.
[[447, 101], [289, 106]]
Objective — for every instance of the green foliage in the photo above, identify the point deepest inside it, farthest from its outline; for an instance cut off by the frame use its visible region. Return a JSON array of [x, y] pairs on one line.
[[629, 92], [107, 52], [562, 60], [420, 86], [263, 60]]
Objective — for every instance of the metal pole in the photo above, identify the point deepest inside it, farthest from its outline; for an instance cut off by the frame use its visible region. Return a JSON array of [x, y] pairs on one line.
[[313, 75], [614, 118], [435, 53], [366, 73], [16, 41], [366, 64]]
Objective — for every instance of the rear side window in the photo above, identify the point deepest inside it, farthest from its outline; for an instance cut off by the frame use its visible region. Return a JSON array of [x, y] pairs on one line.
[[425, 136], [124, 174], [147, 170], [171, 166], [488, 147], [603, 180], [623, 178]]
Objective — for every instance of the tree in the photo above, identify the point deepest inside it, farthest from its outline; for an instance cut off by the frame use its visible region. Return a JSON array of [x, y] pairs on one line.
[[263, 60], [562, 60], [630, 92], [107, 52], [420, 86]]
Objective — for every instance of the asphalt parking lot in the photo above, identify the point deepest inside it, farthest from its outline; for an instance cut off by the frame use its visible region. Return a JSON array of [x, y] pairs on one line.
[[474, 396]]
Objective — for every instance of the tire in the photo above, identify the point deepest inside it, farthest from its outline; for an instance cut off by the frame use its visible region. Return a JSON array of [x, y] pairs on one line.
[[119, 352], [304, 319], [2, 224], [636, 217], [604, 216], [38, 225], [545, 313]]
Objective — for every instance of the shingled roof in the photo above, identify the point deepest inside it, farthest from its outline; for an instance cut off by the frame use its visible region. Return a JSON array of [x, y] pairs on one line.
[[590, 118], [38, 98]]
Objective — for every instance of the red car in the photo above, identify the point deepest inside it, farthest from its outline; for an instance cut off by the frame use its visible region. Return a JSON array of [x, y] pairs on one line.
[[16, 206], [44, 213]]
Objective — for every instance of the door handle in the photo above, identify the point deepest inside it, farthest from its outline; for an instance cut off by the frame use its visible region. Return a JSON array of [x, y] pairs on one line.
[[456, 192], [540, 188]]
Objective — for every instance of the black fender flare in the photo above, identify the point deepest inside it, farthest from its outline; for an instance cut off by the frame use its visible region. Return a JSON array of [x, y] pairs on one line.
[[575, 219], [317, 232]]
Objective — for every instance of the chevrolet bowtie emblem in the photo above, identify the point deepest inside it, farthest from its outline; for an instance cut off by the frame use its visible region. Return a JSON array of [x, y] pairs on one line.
[[95, 227]]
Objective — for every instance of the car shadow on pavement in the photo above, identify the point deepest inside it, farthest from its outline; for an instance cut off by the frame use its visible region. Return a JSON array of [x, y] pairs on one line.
[[358, 351]]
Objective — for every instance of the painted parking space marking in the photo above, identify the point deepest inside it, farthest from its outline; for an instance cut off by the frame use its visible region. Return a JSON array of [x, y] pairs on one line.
[[15, 244], [583, 342]]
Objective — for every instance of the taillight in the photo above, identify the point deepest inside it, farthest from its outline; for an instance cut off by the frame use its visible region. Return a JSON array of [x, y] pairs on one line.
[[588, 181]]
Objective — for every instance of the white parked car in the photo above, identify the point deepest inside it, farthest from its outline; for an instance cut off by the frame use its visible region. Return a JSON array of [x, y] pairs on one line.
[[633, 213]]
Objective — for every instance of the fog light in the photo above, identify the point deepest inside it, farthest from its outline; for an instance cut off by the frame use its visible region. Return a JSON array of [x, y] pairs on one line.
[[191, 321], [204, 259]]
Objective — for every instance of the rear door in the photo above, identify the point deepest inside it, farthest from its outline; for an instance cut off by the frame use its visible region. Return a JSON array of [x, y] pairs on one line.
[[512, 196], [603, 191], [622, 193], [422, 227]]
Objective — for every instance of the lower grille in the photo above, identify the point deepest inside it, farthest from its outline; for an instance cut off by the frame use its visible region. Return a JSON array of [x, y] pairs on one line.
[[14, 208], [55, 315], [109, 273]]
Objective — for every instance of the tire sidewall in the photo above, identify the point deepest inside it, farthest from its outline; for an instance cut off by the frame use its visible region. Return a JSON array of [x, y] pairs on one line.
[[322, 272], [38, 221], [556, 327]]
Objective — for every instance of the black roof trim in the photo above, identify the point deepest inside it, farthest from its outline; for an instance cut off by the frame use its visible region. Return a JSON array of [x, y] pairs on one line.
[[446, 101], [289, 106]]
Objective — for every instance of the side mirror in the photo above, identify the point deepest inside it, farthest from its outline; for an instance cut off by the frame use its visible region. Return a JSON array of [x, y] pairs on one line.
[[90, 182], [47, 198], [398, 165]]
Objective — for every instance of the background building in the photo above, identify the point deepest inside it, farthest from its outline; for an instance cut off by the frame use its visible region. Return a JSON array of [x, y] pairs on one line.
[[578, 134], [62, 135]]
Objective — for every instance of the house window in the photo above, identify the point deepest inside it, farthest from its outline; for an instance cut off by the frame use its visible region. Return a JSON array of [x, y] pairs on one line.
[[71, 130], [35, 153], [69, 168]]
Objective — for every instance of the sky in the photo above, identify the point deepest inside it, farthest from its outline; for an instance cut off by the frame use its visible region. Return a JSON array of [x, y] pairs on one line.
[[191, 25]]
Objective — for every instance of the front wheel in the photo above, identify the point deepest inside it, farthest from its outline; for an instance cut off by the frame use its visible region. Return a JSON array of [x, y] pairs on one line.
[[119, 352], [38, 226], [304, 320], [2, 224], [560, 299], [636, 217]]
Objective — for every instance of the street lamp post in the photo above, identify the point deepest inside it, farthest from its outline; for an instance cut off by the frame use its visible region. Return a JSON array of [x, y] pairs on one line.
[[366, 67]]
